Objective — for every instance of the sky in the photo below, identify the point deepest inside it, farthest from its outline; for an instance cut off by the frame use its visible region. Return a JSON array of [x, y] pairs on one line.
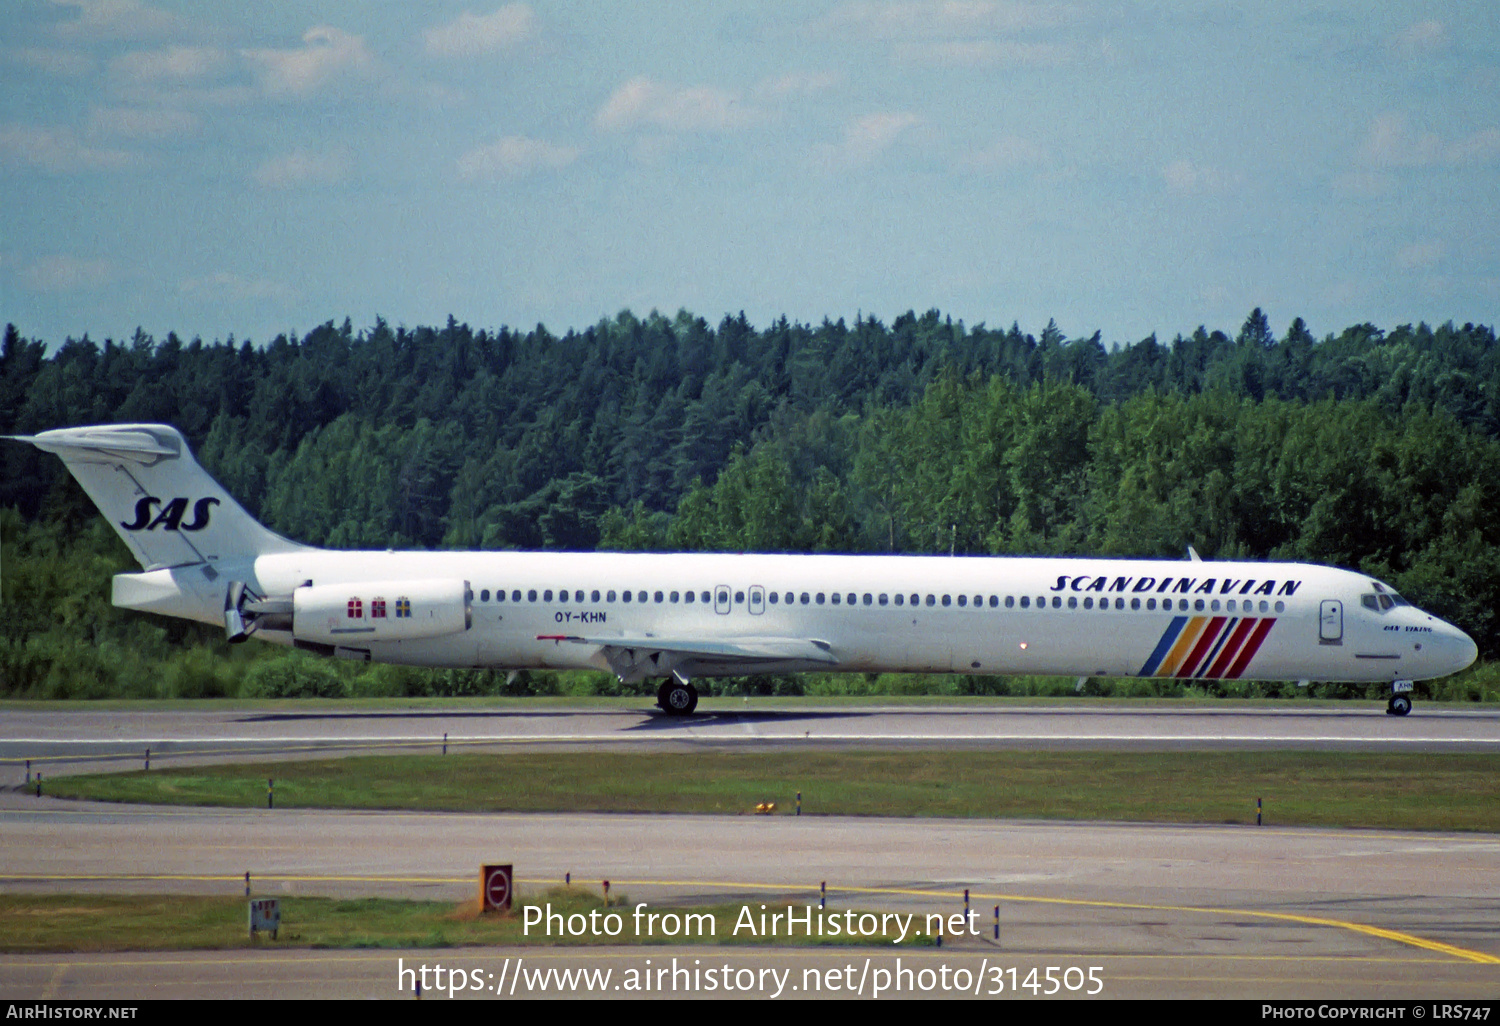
[[248, 169]]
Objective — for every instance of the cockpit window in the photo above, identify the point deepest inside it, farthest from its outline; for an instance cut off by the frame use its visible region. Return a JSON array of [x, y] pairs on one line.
[[1382, 600]]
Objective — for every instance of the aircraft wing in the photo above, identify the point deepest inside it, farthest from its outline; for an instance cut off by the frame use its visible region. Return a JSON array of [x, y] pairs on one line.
[[647, 653]]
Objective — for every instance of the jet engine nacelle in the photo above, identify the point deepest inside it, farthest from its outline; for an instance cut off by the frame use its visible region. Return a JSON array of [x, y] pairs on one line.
[[356, 614]]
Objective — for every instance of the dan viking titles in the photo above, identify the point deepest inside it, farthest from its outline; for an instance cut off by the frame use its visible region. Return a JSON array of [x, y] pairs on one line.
[[805, 920]]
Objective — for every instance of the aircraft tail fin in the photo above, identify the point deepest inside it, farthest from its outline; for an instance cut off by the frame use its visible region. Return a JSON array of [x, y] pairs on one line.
[[165, 506]]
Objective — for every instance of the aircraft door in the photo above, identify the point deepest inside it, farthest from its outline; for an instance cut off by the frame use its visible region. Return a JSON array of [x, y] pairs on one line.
[[721, 599], [1331, 622], [757, 600]]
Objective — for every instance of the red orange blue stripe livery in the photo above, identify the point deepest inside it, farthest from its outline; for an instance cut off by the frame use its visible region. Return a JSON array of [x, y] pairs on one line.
[[1207, 646]]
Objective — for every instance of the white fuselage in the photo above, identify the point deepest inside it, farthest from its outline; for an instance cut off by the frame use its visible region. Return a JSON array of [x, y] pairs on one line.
[[984, 615]]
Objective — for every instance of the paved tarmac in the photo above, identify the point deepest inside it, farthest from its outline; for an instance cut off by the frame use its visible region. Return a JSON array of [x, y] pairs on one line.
[[61, 741], [1206, 911]]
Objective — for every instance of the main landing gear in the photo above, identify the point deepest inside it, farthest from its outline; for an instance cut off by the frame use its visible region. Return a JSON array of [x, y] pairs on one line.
[[677, 696], [1400, 703]]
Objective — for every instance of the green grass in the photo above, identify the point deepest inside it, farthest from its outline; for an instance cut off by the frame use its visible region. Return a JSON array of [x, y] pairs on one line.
[[84, 923], [1401, 791]]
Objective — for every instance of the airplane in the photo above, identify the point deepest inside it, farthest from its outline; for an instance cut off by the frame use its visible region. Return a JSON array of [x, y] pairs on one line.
[[682, 616]]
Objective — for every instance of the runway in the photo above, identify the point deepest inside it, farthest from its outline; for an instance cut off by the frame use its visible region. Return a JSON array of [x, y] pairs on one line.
[[1206, 911], [74, 739], [1223, 911]]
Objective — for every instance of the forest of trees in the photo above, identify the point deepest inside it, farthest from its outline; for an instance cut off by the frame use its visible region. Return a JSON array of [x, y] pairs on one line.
[[1371, 450]]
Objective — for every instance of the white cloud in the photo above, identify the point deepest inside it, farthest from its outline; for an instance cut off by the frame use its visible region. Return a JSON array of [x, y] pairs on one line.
[[328, 54], [976, 52], [797, 83], [1392, 142], [67, 63], [59, 150], [962, 32], [1421, 39], [904, 20], [1189, 178], [302, 168], [1364, 182], [135, 123], [1006, 153], [513, 156], [169, 65], [224, 285], [62, 273], [867, 137], [1420, 254], [644, 102], [472, 35], [1478, 148], [117, 19]]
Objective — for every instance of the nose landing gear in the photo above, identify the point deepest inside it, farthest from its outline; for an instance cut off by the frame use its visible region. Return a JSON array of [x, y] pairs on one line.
[[1400, 703]]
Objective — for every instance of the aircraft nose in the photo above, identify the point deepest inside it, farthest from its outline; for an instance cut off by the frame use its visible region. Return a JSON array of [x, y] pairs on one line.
[[1457, 649]]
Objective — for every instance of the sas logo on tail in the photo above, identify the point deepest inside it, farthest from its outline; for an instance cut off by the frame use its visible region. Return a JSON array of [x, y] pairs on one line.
[[170, 517]]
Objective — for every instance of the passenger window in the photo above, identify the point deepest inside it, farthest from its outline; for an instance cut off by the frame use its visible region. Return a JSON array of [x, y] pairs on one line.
[[500, 595], [705, 597], [804, 598], [963, 601], [820, 598], [658, 596], [1072, 601], [690, 596], [624, 596], [932, 600], [531, 595], [640, 596], [515, 596], [674, 597], [1056, 601], [1010, 601], [562, 596], [1025, 601], [994, 601], [1264, 606], [484, 596], [884, 599], [835, 598], [869, 599], [739, 598], [1213, 605], [775, 597], [900, 600], [1281, 607], [1088, 603], [594, 595], [1135, 603], [851, 598], [1151, 603]]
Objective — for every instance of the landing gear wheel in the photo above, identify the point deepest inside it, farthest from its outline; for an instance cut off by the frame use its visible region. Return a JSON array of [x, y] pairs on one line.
[[661, 695], [1399, 705], [677, 698]]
